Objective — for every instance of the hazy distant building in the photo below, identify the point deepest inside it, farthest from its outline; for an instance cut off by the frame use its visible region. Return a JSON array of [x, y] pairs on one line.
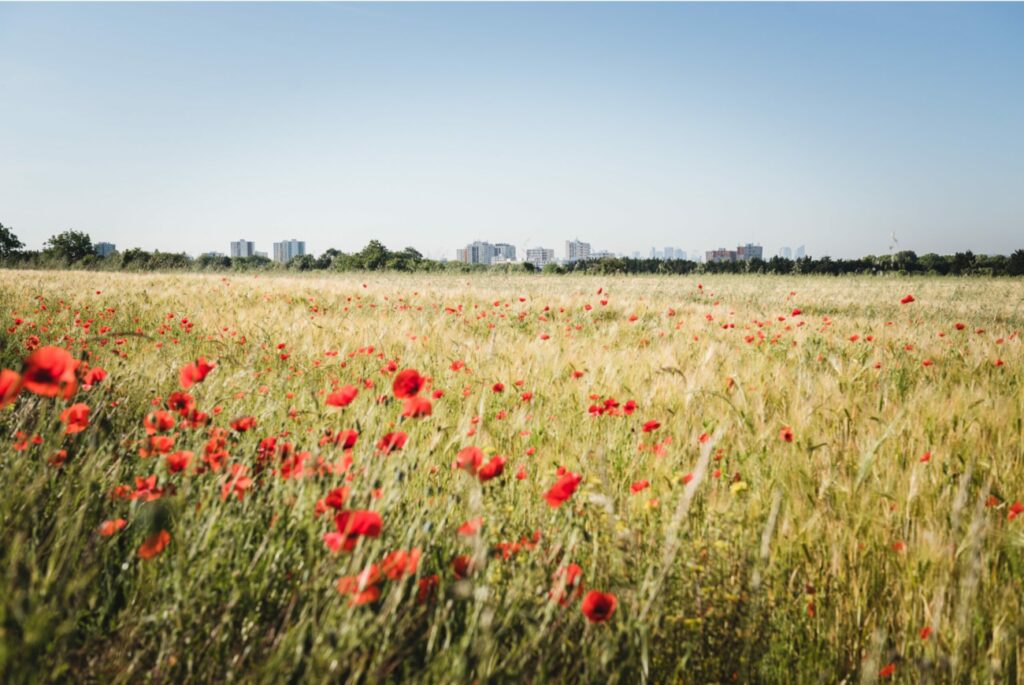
[[721, 255], [745, 253], [477, 252], [105, 249], [576, 250], [286, 249], [503, 252], [260, 254], [539, 256], [786, 253], [800, 252], [654, 253], [602, 254], [240, 249], [213, 254]]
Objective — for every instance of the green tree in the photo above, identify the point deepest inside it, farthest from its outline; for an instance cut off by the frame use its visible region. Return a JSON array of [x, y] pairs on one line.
[[70, 246], [9, 243], [1015, 265], [374, 256]]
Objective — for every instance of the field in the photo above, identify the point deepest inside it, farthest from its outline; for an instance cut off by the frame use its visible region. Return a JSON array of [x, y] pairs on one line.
[[718, 479]]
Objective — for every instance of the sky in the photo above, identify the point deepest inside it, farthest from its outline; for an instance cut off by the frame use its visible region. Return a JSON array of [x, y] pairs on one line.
[[182, 127]]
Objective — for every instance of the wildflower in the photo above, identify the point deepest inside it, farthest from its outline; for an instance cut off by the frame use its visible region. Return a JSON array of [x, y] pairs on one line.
[[76, 417], [108, 528], [194, 372], [416, 407], [342, 397], [178, 461], [907, 299], [651, 426], [491, 469], [407, 383], [351, 525], [10, 386], [154, 544], [639, 486], [392, 442], [244, 424], [598, 607], [400, 563], [563, 489], [568, 584], [50, 371], [786, 434], [469, 459]]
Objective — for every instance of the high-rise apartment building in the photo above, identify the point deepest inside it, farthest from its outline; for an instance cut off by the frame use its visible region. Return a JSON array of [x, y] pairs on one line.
[[286, 249], [749, 251], [503, 252], [241, 249], [576, 250], [478, 252], [539, 256], [105, 249]]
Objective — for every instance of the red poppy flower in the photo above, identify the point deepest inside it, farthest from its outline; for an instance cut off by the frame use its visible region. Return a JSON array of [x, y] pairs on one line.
[[417, 407], [786, 434], [463, 566], [907, 300], [159, 421], [562, 489], [50, 371], [568, 584], [391, 442], [178, 461], [491, 469], [651, 426], [10, 386], [889, 668], [244, 424], [76, 417], [154, 544], [342, 397], [426, 588], [469, 459], [400, 563], [598, 607], [639, 486], [195, 372], [498, 387], [471, 527], [408, 383], [351, 526], [1016, 509], [346, 438], [363, 587], [108, 528], [93, 376]]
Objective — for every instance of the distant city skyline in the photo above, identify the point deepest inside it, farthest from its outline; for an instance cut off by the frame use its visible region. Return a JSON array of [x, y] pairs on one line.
[[179, 127]]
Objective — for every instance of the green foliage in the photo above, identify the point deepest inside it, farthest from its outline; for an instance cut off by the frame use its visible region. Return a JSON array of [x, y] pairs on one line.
[[70, 246], [9, 243]]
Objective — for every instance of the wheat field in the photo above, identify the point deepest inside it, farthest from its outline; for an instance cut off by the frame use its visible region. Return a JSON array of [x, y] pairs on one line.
[[677, 479]]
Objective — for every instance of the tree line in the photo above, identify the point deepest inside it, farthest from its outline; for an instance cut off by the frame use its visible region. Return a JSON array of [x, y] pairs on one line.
[[75, 249]]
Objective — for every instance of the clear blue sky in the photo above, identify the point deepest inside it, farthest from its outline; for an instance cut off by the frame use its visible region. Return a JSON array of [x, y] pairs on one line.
[[184, 126]]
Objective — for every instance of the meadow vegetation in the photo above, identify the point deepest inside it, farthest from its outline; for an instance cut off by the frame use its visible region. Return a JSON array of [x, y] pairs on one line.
[[271, 478]]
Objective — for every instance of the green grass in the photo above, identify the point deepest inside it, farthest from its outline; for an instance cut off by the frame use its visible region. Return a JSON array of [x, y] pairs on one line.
[[714, 579]]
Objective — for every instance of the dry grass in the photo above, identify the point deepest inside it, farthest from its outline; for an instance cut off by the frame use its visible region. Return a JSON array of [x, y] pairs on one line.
[[715, 580]]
